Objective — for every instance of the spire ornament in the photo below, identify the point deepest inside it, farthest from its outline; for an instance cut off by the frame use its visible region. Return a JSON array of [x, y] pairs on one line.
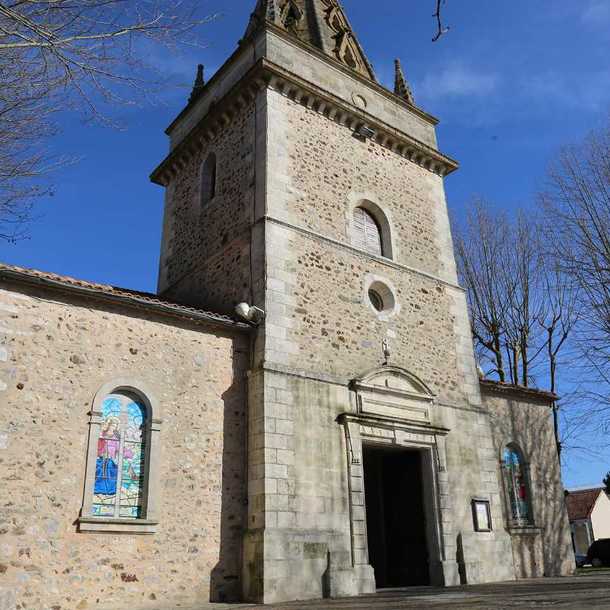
[[401, 86], [266, 10], [198, 85]]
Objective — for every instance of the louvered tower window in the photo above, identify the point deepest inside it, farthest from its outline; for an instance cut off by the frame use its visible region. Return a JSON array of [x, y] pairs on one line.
[[366, 233]]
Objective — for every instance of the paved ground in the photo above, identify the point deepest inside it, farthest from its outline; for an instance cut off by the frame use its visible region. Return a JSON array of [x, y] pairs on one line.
[[586, 592]]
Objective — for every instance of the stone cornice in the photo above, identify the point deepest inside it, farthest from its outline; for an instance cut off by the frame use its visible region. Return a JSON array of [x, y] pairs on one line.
[[372, 84], [266, 74], [290, 39], [335, 109]]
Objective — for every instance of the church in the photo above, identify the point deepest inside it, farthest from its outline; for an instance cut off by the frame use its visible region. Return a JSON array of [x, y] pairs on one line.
[[297, 413]]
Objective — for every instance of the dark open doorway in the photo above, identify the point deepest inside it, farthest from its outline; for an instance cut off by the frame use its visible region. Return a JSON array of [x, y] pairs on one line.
[[395, 516]]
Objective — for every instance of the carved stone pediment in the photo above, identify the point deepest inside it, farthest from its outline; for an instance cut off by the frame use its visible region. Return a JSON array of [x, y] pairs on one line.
[[394, 393]]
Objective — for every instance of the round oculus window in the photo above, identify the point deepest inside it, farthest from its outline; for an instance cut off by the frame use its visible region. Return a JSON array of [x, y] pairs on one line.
[[376, 299], [381, 298]]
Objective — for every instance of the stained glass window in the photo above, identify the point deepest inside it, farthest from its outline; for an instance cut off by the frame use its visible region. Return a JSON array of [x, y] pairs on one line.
[[120, 464], [517, 491]]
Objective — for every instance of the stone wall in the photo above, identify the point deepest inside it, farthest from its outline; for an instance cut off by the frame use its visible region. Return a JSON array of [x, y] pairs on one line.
[[321, 332], [205, 245], [55, 353], [331, 170], [526, 419], [317, 297]]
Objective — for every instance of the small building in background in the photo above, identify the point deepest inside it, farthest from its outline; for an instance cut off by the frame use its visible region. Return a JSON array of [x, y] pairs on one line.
[[589, 514]]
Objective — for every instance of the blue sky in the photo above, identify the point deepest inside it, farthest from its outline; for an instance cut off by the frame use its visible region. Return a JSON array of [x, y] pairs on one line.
[[511, 82]]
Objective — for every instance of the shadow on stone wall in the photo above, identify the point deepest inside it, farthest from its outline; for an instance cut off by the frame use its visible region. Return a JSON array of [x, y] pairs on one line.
[[225, 577], [529, 426]]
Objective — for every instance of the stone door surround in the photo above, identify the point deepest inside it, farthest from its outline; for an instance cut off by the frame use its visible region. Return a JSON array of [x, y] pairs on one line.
[[394, 408]]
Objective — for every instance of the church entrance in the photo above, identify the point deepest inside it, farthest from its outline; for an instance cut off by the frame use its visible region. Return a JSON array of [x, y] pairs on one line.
[[395, 516]]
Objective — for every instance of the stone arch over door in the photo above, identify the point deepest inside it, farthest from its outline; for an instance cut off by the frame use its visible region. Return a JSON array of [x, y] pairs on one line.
[[393, 408]]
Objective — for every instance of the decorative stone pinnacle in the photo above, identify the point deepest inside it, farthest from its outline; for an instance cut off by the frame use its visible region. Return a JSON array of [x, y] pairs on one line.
[[265, 10], [401, 86], [199, 83]]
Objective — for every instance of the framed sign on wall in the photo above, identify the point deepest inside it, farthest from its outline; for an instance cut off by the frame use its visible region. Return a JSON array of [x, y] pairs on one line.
[[481, 514]]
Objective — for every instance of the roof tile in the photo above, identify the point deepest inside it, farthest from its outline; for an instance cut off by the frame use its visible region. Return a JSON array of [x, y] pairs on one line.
[[134, 296]]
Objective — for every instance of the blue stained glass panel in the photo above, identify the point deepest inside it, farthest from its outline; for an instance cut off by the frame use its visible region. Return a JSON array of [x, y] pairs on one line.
[[120, 459]]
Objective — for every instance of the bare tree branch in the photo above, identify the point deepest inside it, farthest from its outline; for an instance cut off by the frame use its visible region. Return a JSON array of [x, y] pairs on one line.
[[440, 29], [81, 55], [524, 309]]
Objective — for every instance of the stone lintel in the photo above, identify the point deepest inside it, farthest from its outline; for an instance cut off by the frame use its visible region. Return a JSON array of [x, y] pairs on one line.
[[392, 424]]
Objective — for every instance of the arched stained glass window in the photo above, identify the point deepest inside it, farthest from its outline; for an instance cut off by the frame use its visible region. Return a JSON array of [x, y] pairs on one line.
[[120, 467], [517, 489], [208, 179], [366, 232]]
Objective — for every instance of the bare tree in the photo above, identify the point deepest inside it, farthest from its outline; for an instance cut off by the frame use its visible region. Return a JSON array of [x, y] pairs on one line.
[[523, 308], [75, 54], [577, 204], [558, 317], [522, 276], [481, 246]]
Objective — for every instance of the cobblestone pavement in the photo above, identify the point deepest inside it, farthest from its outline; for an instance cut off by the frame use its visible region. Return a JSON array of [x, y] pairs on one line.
[[586, 592]]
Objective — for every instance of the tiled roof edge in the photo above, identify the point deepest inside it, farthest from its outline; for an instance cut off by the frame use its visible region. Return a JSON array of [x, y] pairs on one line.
[[508, 388], [122, 296]]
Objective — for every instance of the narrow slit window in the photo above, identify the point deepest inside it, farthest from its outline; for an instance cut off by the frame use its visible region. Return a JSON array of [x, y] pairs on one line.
[[208, 179]]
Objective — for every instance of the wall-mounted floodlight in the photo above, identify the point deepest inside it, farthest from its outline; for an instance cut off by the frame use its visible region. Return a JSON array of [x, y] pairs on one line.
[[252, 314], [366, 132]]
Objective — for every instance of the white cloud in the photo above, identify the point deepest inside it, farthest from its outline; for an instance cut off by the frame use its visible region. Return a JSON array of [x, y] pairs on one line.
[[596, 13], [458, 80], [585, 91]]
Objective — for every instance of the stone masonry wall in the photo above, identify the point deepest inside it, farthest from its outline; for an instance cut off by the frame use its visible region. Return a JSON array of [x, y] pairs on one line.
[[331, 169], [321, 326], [528, 423], [337, 331], [54, 356], [205, 245], [319, 315]]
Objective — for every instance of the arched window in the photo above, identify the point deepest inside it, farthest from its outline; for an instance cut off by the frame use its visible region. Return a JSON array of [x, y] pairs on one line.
[[122, 477], [120, 467], [514, 470], [366, 233], [208, 179]]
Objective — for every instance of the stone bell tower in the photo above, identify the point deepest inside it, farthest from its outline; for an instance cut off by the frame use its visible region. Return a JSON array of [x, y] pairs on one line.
[[297, 183]]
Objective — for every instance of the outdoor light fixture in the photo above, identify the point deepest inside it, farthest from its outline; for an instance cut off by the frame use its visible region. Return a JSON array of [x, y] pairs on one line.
[[366, 132]]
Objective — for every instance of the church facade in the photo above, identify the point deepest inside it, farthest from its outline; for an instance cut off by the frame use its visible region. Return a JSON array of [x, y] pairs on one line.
[[335, 438]]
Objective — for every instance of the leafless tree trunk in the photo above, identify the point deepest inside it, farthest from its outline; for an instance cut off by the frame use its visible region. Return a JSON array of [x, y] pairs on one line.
[[522, 275], [559, 317], [482, 250], [522, 305], [577, 207], [72, 54]]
